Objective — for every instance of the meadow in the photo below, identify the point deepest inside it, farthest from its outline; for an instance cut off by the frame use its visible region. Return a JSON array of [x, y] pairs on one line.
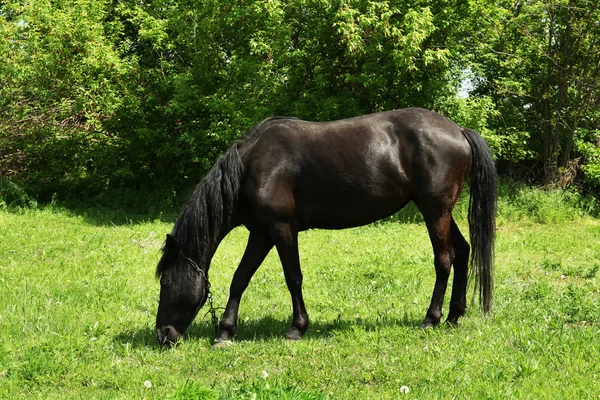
[[78, 299]]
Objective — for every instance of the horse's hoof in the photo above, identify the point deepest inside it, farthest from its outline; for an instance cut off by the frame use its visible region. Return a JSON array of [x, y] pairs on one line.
[[221, 343], [427, 325], [293, 334]]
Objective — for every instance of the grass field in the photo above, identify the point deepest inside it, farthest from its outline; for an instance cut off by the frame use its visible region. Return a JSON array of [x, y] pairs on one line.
[[78, 300]]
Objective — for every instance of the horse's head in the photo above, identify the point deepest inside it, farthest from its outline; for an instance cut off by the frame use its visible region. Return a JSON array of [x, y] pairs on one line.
[[183, 291]]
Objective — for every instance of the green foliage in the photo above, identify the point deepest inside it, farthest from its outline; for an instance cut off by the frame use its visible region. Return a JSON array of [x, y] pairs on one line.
[[537, 60], [587, 143], [517, 201], [100, 95], [14, 196], [386, 46], [62, 81]]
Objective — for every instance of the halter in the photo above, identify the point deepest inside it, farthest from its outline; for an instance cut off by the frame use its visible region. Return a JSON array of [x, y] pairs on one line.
[[211, 308]]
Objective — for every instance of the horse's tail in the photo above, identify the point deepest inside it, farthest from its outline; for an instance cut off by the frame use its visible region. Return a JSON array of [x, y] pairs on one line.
[[482, 216]]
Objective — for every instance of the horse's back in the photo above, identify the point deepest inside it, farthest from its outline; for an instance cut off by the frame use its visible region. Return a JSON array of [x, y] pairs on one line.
[[354, 171]]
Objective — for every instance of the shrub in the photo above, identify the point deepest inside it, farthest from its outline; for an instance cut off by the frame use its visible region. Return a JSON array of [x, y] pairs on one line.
[[13, 195]]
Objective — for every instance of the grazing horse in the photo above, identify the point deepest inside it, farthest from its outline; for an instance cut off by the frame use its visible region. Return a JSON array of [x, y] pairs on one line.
[[287, 175]]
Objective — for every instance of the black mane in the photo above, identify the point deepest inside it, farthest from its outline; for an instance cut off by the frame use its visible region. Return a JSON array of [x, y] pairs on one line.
[[211, 205]]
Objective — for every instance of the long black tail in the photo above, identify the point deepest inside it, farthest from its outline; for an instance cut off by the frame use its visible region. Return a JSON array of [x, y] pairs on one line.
[[482, 216]]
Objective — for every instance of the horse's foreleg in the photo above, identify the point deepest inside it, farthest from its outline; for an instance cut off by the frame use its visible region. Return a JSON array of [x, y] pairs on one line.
[[259, 245], [458, 301], [439, 233], [285, 236]]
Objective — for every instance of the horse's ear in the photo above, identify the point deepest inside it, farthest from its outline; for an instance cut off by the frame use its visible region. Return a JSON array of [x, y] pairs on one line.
[[171, 244]]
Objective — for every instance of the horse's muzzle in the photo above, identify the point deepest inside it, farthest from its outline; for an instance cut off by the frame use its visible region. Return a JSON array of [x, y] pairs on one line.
[[167, 335]]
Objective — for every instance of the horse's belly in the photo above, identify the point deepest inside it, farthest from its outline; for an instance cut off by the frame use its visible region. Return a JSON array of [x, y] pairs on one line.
[[347, 212]]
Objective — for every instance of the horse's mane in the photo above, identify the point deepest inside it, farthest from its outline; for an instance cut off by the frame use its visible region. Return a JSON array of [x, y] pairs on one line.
[[211, 205]]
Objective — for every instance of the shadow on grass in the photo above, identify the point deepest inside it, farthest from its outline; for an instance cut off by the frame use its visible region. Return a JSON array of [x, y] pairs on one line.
[[141, 338], [97, 215], [112, 208], [268, 328], [101, 215]]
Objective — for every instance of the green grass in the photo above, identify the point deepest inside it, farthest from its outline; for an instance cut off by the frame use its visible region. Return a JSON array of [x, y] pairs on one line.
[[78, 300]]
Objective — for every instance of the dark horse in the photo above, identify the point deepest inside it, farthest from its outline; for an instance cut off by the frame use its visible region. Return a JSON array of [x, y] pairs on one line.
[[289, 175]]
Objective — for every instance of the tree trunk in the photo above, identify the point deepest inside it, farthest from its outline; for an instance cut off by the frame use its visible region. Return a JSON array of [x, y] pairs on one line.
[[549, 140], [564, 122]]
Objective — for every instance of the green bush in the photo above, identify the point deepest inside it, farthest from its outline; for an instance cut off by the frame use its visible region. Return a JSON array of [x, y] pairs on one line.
[[13, 195], [97, 96], [518, 201], [586, 143]]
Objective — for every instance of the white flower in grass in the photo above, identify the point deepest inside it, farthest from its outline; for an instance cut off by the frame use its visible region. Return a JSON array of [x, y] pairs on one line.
[[404, 389], [147, 384], [264, 374]]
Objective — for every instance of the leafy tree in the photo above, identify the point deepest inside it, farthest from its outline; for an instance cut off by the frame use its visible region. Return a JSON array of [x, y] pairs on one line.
[[538, 60], [60, 82], [104, 94]]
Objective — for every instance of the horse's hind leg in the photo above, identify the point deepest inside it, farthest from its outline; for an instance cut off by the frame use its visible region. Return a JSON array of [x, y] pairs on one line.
[[285, 236], [259, 245], [458, 301], [440, 236]]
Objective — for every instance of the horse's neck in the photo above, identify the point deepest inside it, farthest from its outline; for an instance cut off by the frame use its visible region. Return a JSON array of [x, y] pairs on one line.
[[209, 247]]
